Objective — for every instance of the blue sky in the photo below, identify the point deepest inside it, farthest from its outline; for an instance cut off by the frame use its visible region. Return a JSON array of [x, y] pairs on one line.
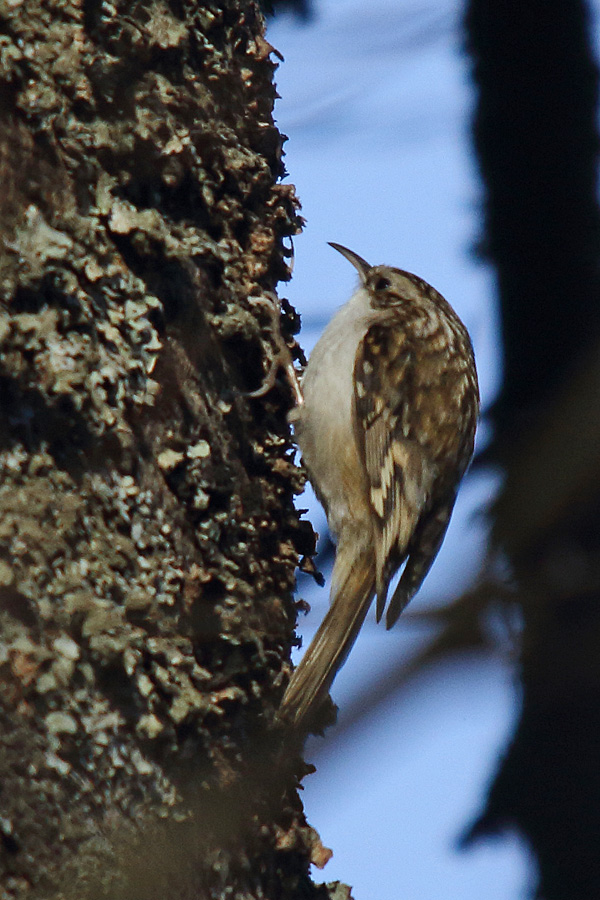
[[376, 101]]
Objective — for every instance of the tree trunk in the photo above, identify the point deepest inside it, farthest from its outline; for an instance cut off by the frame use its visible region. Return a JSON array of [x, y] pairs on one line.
[[536, 135], [148, 539]]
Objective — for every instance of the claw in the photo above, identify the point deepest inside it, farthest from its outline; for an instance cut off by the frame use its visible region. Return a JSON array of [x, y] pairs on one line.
[[282, 358]]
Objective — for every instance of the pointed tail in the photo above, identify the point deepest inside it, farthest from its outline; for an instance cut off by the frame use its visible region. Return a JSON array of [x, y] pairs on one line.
[[352, 593]]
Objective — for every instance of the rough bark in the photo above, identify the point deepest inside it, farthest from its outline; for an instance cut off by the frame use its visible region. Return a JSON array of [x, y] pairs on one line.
[[148, 539]]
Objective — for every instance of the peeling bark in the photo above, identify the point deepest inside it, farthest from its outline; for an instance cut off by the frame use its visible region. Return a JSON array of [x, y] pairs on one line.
[[148, 539]]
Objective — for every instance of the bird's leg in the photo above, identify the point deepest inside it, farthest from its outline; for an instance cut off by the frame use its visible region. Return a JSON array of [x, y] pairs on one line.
[[282, 358]]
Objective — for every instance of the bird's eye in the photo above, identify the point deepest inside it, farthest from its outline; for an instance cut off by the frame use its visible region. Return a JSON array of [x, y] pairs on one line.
[[382, 284]]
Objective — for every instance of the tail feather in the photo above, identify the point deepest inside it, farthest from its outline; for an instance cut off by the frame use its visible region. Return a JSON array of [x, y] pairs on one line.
[[353, 590]]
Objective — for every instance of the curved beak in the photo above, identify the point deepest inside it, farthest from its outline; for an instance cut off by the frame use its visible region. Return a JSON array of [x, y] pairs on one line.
[[360, 264]]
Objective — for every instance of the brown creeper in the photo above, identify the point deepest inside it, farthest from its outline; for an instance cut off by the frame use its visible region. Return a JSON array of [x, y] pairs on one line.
[[386, 430]]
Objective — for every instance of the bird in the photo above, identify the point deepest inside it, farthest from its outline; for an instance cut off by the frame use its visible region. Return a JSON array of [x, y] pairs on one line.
[[386, 427]]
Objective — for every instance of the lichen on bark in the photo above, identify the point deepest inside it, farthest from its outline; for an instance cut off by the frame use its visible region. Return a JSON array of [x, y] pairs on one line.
[[148, 539]]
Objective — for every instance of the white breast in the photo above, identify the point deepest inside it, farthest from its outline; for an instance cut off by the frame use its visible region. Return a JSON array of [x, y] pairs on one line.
[[325, 424]]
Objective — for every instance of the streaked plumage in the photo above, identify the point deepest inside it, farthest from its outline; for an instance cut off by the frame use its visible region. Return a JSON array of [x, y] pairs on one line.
[[386, 431]]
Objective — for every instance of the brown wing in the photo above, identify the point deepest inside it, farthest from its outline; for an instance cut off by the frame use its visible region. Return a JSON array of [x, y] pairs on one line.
[[416, 402], [455, 439], [400, 470]]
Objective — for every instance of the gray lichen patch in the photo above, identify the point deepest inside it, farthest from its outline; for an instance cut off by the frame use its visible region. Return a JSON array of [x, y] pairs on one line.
[[148, 539]]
